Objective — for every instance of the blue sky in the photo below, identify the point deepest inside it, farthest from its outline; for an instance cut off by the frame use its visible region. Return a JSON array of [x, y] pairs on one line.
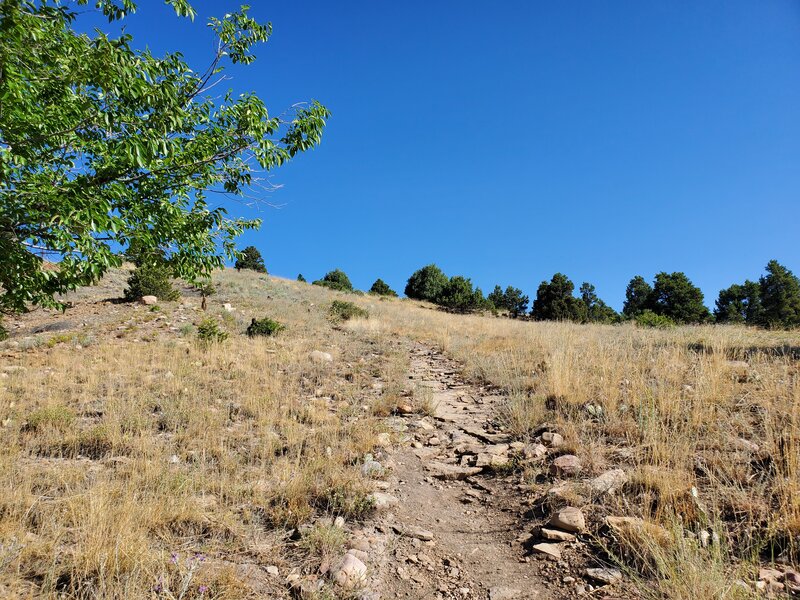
[[506, 141]]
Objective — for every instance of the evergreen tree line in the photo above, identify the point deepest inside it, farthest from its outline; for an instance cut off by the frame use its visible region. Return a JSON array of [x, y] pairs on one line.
[[773, 301]]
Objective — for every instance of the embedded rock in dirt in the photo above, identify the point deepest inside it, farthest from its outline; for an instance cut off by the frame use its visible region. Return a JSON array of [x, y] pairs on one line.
[[534, 451], [452, 472], [605, 575], [415, 532], [382, 500], [148, 300], [552, 439], [554, 535], [504, 593], [609, 481], [551, 550], [350, 572], [569, 519], [566, 465]]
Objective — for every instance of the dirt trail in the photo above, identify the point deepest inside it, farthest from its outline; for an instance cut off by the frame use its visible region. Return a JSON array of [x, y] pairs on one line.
[[456, 525]]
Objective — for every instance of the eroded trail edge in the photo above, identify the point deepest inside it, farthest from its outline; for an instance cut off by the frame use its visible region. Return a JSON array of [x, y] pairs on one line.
[[452, 503]]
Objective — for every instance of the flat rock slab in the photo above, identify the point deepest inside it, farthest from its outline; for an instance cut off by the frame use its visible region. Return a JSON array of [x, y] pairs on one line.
[[442, 470]]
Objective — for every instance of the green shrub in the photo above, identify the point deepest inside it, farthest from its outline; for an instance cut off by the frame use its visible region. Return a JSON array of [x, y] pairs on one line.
[[336, 280], [301, 278], [265, 327], [647, 318], [344, 311], [459, 296], [381, 288], [250, 258], [151, 280], [209, 332], [52, 417], [426, 283]]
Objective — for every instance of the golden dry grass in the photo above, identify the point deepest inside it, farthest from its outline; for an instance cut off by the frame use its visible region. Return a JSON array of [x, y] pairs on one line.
[[145, 462], [143, 444], [709, 441]]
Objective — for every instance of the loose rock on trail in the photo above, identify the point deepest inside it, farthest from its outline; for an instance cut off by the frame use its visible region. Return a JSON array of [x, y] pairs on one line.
[[456, 523]]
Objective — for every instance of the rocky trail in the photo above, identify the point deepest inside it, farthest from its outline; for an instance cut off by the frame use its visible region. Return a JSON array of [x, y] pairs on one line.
[[455, 538]]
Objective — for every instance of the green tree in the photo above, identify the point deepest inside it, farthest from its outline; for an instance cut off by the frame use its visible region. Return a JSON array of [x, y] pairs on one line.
[[426, 283], [515, 302], [555, 302], [497, 298], [638, 296], [250, 258], [381, 288], [458, 295], [151, 280], [597, 311], [676, 297], [103, 145], [780, 297], [336, 280], [301, 278], [739, 304]]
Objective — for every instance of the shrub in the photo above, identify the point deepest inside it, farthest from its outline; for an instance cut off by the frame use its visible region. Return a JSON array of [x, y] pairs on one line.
[[51, 417], [3, 333], [209, 332], [647, 318], [336, 280], [301, 278], [344, 311], [151, 280], [381, 288], [426, 283], [265, 327], [250, 258]]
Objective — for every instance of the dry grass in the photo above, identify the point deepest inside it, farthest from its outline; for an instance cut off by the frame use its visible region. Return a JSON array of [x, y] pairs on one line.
[[147, 463], [125, 442], [678, 409]]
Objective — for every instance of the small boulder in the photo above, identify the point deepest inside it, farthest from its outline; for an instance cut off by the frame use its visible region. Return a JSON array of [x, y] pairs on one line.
[[228, 307], [552, 439], [382, 500], [320, 357], [569, 519], [555, 535], [609, 481], [148, 300], [551, 550], [534, 451], [604, 575], [566, 465], [350, 572]]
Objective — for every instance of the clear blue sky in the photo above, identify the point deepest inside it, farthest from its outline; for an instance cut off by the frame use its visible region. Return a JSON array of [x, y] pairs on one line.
[[506, 141]]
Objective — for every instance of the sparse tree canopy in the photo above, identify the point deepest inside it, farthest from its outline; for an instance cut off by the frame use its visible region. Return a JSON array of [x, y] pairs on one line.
[[250, 258], [597, 311], [381, 288], [336, 280], [103, 145], [512, 300], [426, 284]]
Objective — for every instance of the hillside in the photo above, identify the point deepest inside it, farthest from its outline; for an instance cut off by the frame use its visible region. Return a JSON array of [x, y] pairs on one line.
[[413, 453]]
